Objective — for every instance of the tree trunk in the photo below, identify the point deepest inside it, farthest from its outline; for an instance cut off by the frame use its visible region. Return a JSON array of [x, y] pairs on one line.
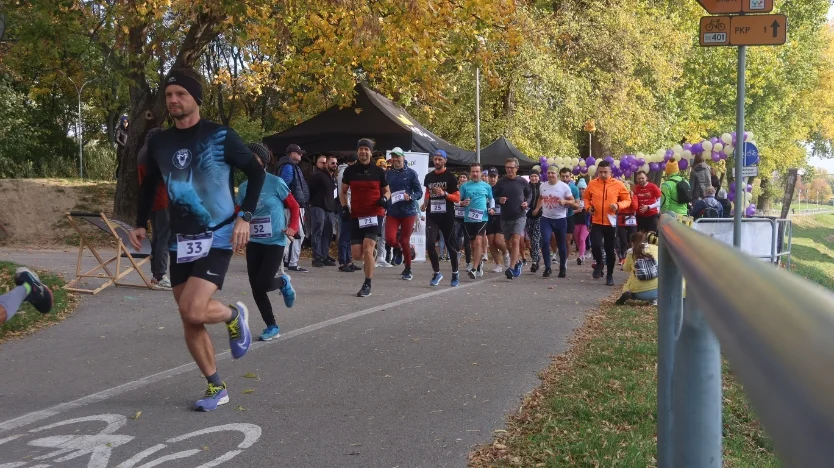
[[763, 202]]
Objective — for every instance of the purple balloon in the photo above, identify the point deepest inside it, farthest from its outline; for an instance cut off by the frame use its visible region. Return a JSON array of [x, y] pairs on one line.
[[713, 140], [669, 154], [749, 188], [716, 157], [723, 156], [662, 166], [687, 146], [640, 162], [609, 159], [575, 170], [731, 196], [733, 135], [653, 166], [590, 161], [683, 164], [583, 169], [542, 160], [732, 186], [751, 210], [545, 166], [697, 148], [746, 135]]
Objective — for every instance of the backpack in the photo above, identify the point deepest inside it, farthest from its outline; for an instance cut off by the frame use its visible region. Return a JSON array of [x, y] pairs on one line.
[[709, 212], [645, 268], [684, 191]]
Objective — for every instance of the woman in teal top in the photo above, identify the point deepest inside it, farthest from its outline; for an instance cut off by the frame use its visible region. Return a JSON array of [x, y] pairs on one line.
[[268, 233]]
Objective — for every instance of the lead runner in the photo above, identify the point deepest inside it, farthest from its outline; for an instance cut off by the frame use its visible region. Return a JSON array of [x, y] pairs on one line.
[[195, 159]]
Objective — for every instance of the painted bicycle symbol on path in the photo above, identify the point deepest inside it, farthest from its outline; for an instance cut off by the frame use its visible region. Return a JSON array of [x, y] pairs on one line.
[[97, 448]]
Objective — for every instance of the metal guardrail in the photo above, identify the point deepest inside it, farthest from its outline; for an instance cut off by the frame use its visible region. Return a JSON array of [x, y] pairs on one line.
[[781, 235], [776, 330]]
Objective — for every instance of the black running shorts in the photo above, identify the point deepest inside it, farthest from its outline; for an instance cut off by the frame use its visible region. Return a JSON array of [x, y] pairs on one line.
[[475, 229], [358, 235], [212, 268], [493, 225]]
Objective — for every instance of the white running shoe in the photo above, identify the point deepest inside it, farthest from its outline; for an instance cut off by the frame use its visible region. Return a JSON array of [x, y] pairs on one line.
[[383, 264], [498, 269]]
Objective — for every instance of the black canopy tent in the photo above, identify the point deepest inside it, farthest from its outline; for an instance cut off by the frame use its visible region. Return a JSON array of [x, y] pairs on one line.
[[497, 152], [372, 115]]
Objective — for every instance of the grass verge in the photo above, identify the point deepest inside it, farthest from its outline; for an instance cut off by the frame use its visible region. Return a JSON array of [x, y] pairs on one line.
[[28, 320], [597, 402]]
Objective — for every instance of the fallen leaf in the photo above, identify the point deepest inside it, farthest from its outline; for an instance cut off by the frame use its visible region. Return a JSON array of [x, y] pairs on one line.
[[240, 408], [136, 416], [248, 391], [251, 375]]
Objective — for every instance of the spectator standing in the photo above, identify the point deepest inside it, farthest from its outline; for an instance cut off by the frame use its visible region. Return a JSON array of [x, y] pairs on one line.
[[160, 222], [699, 178], [322, 208], [287, 169]]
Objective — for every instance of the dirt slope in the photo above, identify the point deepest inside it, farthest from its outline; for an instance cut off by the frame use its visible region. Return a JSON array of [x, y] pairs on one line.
[[32, 210]]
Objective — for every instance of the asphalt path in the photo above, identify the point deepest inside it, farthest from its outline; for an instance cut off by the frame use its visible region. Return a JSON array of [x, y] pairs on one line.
[[412, 376]]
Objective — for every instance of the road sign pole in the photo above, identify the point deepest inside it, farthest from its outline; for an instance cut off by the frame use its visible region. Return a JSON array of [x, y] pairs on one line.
[[741, 188]]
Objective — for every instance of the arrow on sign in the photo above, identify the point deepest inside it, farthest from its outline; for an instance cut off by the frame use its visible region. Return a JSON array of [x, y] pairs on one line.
[[775, 27]]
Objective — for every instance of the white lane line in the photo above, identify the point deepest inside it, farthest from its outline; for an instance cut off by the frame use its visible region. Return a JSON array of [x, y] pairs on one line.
[[35, 416]]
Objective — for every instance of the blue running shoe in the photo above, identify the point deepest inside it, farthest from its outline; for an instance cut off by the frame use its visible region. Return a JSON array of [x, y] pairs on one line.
[[215, 396], [509, 273], [455, 279], [287, 291], [435, 280], [407, 276], [517, 269], [270, 332], [39, 296], [240, 338], [398, 256]]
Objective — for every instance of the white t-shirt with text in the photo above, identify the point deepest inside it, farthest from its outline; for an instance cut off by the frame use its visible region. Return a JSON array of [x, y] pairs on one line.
[[550, 196]]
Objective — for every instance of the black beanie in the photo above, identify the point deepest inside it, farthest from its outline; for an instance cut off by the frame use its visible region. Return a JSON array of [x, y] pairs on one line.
[[365, 142], [194, 87]]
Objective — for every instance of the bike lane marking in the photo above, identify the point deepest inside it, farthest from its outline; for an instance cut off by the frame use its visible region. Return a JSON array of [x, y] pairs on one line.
[[35, 416]]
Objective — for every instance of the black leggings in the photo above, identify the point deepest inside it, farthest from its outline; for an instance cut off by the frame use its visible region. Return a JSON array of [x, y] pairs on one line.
[[624, 239], [262, 263], [463, 237], [603, 235], [441, 225]]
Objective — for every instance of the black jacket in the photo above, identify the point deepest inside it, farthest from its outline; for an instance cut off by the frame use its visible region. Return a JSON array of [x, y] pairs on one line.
[[322, 187]]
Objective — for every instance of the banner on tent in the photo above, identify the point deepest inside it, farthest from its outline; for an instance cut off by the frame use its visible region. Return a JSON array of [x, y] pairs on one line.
[[420, 163]]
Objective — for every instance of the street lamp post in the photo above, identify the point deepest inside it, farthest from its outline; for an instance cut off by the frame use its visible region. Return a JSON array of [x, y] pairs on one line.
[[78, 132], [590, 127]]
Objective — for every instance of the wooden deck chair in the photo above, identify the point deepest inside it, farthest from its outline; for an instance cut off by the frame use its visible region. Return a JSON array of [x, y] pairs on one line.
[[119, 231]]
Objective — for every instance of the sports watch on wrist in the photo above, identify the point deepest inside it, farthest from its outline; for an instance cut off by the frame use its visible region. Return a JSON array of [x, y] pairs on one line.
[[246, 215]]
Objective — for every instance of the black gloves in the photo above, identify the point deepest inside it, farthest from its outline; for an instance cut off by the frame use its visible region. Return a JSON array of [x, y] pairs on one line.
[[346, 213], [383, 202]]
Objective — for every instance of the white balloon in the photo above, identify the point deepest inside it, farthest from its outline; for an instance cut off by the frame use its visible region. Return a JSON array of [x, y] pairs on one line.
[[726, 138], [592, 171], [687, 154], [537, 168], [616, 163], [645, 168], [551, 161], [581, 163], [749, 136], [718, 147], [574, 161], [659, 154], [640, 155], [728, 150], [707, 146]]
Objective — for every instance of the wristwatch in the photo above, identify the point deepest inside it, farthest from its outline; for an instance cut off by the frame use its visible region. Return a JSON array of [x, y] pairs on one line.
[[246, 215]]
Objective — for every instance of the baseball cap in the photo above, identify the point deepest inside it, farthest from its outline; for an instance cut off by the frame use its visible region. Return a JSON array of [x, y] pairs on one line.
[[440, 153], [493, 171], [397, 152], [294, 149]]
